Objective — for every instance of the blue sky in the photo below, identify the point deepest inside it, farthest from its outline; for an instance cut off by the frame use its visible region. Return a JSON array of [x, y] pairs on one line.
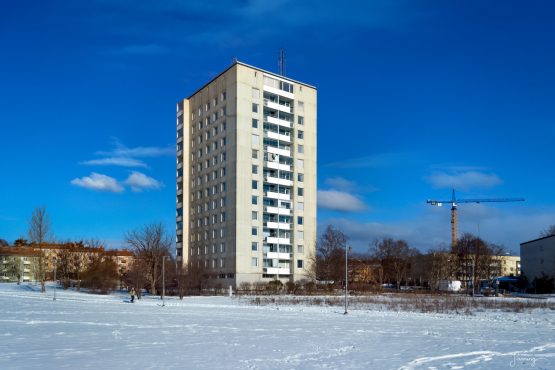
[[415, 97]]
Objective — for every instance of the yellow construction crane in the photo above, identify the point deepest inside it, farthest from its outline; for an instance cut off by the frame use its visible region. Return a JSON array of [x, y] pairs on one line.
[[454, 201]]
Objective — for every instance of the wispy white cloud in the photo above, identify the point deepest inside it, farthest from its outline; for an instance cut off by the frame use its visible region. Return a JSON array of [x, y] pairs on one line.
[[115, 161], [124, 156], [138, 182], [100, 182], [463, 180], [373, 161], [507, 225], [340, 201], [342, 184], [120, 150]]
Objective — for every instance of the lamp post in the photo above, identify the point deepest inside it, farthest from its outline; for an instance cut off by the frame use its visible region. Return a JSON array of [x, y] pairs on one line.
[[164, 280], [346, 277], [54, 278]]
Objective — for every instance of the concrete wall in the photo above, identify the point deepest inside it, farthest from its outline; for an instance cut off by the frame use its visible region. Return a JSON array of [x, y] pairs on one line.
[[538, 257]]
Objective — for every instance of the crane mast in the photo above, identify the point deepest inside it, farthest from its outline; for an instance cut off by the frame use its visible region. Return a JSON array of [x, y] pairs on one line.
[[454, 202]]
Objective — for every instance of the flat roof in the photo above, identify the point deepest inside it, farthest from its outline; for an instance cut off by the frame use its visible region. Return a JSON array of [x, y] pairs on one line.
[[253, 67], [535, 240]]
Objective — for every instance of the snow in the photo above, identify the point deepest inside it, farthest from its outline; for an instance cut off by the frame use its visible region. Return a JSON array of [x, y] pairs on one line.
[[87, 331]]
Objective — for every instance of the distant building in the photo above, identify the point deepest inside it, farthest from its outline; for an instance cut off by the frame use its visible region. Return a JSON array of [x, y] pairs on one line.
[[78, 256], [538, 258], [246, 178], [16, 261], [508, 265]]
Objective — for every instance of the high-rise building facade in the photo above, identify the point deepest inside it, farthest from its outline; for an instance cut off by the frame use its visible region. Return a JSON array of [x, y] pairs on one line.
[[246, 178]]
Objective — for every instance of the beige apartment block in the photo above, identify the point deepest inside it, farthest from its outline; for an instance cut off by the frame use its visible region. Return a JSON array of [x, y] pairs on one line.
[[246, 178]]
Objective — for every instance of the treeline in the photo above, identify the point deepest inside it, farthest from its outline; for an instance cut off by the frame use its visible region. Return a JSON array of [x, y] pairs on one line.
[[393, 263]]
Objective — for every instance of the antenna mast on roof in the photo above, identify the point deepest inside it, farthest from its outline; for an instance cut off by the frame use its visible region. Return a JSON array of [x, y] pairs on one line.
[[281, 62]]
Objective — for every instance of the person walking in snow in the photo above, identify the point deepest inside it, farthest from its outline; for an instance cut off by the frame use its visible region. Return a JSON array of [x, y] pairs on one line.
[[132, 294]]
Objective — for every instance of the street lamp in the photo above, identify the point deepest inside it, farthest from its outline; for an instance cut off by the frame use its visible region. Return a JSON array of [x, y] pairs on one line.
[[54, 278], [164, 280], [346, 277]]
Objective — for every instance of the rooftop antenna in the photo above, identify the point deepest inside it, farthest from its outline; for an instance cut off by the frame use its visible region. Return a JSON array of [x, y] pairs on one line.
[[281, 62]]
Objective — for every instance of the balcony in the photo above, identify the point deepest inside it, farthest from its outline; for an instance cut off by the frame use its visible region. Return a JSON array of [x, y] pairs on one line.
[[277, 121], [276, 271], [273, 240], [274, 150], [277, 136], [277, 211], [274, 195], [281, 256], [277, 225], [278, 105], [277, 166], [277, 181], [277, 91]]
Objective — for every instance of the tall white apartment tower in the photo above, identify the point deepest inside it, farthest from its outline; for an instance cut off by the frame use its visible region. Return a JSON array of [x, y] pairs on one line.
[[246, 178]]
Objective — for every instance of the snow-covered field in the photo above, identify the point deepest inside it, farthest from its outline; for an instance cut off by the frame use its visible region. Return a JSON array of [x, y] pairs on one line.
[[80, 331]]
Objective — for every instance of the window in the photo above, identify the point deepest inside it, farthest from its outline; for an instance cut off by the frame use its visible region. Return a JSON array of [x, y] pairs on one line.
[[254, 215], [255, 139], [300, 192], [222, 247], [300, 177], [255, 93], [299, 264], [299, 220], [222, 187], [222, 171], [254, 262], [300, 149], [300, 163], [222, 262], [300, 206], [254, 184], [254, 154], [300, 249], [254, 169], [254, 199], [300, 134], [300, 120], [223, 141], [254, 108], [300, 235], [254, 246], [300, 107], [223, 157], [223, 96], [254, 231], [254, 123], [222, 217]]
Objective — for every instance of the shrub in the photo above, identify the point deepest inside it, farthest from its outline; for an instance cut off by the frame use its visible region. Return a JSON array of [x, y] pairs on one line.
[[101, 276]]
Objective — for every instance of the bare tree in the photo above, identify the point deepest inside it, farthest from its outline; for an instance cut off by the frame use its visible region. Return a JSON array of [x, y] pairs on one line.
[[475, 259], [14, 267], [395, 257], [442, 266], [330, 255], [549, 231], [40, 233], [150, 244]]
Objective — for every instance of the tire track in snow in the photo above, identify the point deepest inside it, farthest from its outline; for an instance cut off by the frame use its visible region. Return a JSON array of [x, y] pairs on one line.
[[532, 355]]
